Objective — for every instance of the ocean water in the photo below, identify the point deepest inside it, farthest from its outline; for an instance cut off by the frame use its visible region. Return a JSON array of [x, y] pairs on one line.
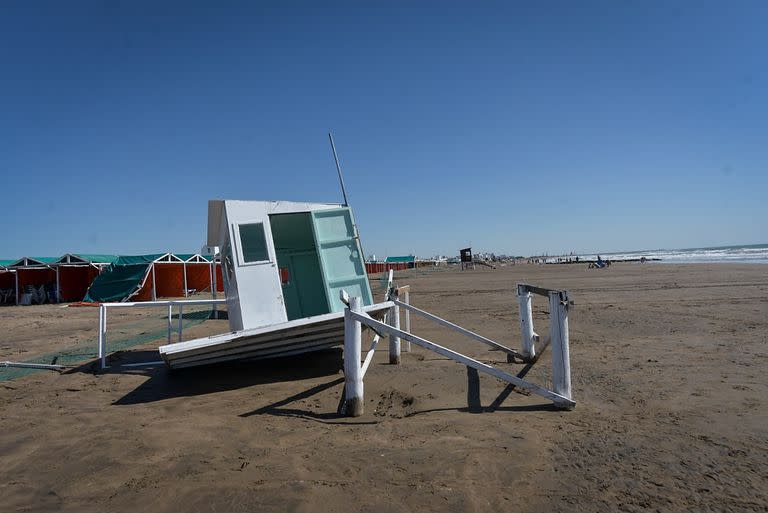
[[749, 254]]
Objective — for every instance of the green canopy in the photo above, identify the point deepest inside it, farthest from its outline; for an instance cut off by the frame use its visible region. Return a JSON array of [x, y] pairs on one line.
[[398, 259], [136, 259], [96, 259]]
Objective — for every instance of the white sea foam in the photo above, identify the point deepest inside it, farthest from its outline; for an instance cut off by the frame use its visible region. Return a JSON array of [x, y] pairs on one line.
[[733, 254]]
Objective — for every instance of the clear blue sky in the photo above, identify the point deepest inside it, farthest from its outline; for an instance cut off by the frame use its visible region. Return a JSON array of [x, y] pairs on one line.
[[585, 126]]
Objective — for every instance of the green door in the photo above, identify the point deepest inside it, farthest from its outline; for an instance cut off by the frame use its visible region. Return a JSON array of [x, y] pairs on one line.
[[341, 257], [304, 292]]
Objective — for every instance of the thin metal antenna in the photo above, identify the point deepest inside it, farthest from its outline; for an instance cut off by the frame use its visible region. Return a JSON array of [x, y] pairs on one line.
[[344, 192], [338, 168]]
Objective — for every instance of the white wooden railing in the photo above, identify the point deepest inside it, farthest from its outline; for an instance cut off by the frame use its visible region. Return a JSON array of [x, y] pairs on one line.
[[180, 303], [355, 318]]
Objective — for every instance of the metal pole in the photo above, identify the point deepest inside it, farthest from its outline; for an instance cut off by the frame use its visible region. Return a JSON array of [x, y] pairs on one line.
[[185, 280], [353, 376], [408, 320], [103, 336], [16, 274], [154, 289], [58, 286], [344, 193], [338, 169], [215, 286], [170, 322], [181, 319]]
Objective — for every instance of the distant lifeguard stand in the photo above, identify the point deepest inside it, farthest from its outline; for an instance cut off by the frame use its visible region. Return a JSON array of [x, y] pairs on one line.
[[465, 256]]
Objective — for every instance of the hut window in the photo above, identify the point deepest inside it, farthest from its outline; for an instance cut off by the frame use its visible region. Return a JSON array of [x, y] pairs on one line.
[[253, 242]]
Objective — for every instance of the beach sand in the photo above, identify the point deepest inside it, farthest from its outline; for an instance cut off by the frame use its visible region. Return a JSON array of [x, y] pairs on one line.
[[670, 374]]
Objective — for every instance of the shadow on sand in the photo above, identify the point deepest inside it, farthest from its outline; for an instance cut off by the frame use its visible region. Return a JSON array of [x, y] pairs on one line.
[[165, 384]]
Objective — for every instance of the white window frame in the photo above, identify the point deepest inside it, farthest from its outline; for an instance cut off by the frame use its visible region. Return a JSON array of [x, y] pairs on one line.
[[235, 234]]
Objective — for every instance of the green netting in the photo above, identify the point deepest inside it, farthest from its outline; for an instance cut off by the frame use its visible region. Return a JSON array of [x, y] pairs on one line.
[[117, 282], [88, 350]]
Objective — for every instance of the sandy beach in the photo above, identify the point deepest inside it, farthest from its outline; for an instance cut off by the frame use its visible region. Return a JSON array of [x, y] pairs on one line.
[[669, 367]]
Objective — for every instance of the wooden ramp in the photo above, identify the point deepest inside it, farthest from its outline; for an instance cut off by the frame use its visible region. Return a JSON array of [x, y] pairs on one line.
[[284, 339]]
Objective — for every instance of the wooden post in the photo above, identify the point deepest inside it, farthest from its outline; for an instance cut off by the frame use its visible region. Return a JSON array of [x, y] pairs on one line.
[[353, 376], [394, 341], [561, 362], [528, 347], [408, 320]]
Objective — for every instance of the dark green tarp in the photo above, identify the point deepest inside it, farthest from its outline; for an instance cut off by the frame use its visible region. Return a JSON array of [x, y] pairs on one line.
[[116, 283], [121, 279]]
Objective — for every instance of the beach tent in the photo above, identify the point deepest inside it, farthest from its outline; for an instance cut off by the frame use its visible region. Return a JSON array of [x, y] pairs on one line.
[[401, 262], [147, 277], [7, 283], [76, 272], [199, 273], [181, 274], [35, 280], [167, 277]]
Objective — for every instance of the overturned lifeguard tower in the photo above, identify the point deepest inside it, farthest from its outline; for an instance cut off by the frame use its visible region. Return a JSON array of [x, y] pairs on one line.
[[295, 282], [283, 265]]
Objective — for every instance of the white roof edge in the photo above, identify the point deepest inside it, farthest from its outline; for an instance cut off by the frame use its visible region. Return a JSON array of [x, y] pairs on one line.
[[216, 211]]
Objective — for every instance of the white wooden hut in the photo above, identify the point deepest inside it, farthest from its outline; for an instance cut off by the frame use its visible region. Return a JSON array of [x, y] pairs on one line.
[[283, 265]]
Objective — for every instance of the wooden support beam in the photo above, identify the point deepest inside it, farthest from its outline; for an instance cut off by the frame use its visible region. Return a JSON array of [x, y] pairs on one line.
[[394, 340], [529, 337], [558, 329], [353, 377], [541, 291]]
